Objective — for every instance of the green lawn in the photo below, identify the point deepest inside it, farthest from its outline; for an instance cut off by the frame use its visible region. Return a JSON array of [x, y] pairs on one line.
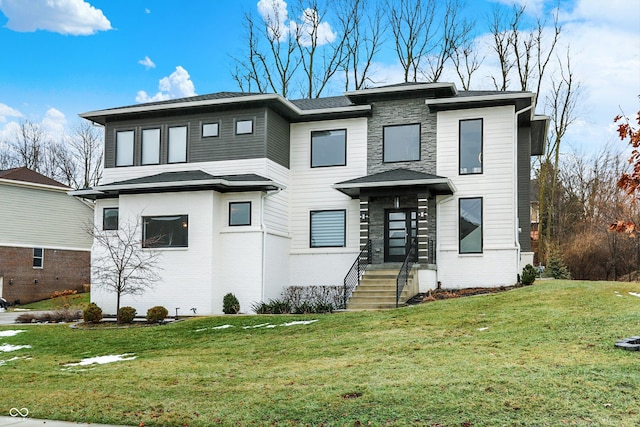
[[535, 356]]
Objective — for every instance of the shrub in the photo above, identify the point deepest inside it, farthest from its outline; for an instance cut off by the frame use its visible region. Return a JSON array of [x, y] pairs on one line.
[[528, 275], [156, 314], [92, 314], [230, 304], [556, 267], [126, 314], [274, 306], [64, 293]]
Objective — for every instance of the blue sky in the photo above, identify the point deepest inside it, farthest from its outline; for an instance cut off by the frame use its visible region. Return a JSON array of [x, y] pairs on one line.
[[85, 55]]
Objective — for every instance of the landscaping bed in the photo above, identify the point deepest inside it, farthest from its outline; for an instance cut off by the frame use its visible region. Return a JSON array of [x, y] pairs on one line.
[[440, 294]]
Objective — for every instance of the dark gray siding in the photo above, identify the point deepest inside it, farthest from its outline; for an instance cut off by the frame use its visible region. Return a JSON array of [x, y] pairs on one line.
[[398, 112], [278, 140], [524, 186], [226, 146]]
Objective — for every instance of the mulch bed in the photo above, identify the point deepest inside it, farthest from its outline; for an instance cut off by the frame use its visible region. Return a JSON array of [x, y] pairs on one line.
[[440, 294]]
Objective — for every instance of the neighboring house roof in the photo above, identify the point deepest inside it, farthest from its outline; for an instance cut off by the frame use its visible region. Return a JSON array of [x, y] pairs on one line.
[[180, 181], [396, 178], [24, 174]]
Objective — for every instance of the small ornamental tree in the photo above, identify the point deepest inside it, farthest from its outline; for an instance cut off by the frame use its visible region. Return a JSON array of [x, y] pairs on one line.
[[119, 263], [629, 182]]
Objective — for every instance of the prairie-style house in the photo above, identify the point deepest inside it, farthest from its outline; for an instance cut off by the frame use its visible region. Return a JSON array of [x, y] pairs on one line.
[[247, 193], [44, 244]]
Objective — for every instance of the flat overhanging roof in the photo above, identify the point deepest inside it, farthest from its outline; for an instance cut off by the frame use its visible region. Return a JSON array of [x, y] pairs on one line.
[[396, 179]]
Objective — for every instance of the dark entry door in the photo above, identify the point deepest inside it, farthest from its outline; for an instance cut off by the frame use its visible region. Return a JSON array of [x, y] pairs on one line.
[[401, 229]]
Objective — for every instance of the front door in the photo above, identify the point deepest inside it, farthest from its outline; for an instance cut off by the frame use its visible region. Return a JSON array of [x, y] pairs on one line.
[[401, 229]]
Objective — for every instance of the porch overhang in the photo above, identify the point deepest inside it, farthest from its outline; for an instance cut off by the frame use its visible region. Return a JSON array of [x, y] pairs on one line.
[[397, 179], [178, 182]]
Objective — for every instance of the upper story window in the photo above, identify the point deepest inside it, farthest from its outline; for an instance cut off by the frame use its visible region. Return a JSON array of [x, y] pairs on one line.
[[470, 146], [328, 148], [470, 225], [240, 213], [165, 231], [110, 219], [124, 148], [177, 145], [327, 229], [150, 146], [210, 129], [401, 143], [244, 127], [38, 258]]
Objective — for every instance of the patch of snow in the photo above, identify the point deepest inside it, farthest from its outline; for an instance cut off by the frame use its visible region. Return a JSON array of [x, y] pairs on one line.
[[634, 294], [619, 295], [101, 360], [222, 327], [299, 322], [8, 347], [261, 325], [13, 359], [10, 333], [271, 326], [483, 329]]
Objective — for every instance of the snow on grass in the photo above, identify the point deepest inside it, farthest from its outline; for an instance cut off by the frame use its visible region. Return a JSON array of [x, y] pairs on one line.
[[262, 325], [10, 333], [5, 348], [634, 294], [101, 360], [13, 359]]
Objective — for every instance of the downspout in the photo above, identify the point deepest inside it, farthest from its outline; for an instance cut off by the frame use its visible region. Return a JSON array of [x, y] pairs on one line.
[[516, 230]]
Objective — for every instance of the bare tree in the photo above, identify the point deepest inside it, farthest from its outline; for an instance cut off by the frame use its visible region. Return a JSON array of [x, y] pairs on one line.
[[120, 265], [466, 62], [85, 152], [561, 103], [362, 23], [453, 33], [502, 43], [7, 157], [30, 145], [412, 26]]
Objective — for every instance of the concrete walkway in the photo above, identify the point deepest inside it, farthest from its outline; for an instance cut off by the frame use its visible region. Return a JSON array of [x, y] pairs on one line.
[[32, 422], [9, 318]]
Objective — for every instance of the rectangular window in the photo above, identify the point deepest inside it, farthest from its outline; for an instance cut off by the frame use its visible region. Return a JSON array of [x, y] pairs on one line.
[[177, 145], [470, 226], [165, 231], [210, 129], [328, 148], [328, 229], [244, 127], [470, 146], [401, 143], [124, 148], [240, 213], [150, 146], [110, 219], [38, 258]]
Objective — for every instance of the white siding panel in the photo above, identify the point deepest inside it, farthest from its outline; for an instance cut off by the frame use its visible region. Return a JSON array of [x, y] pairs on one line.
[[42, 217], [498, 264], [311, 189]]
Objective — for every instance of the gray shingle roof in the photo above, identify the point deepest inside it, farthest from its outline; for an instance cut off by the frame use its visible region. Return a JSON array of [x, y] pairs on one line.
[[396, 178], [393, 175], [322, 103]]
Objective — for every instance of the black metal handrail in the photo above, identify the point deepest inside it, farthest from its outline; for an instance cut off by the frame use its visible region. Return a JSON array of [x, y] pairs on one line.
[[403, 274], [352, 279]]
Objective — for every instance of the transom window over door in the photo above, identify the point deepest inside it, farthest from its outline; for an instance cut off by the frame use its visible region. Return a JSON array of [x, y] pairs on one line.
[[327, 229], [124, 148], [401, 143], [177, 145], [470, 225], [328, 148], [470, 146]]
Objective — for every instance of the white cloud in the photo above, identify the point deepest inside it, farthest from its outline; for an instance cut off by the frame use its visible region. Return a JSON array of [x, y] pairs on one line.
[[147, 11], [275, 14], [54, 122], [177, 85], [147, 62], [310, 24], [532, 7], [75, 17], [6, 111]]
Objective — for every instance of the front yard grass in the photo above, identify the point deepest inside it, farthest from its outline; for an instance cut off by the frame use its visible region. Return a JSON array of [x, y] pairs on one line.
[[534, 356], [77, 301]]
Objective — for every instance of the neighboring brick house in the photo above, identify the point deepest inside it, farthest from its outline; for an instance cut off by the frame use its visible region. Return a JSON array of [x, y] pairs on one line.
[[44, 244], [251, 193]]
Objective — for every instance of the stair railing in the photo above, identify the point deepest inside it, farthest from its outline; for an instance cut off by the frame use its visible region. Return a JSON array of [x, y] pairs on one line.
[[403, 274], [352, 279]]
